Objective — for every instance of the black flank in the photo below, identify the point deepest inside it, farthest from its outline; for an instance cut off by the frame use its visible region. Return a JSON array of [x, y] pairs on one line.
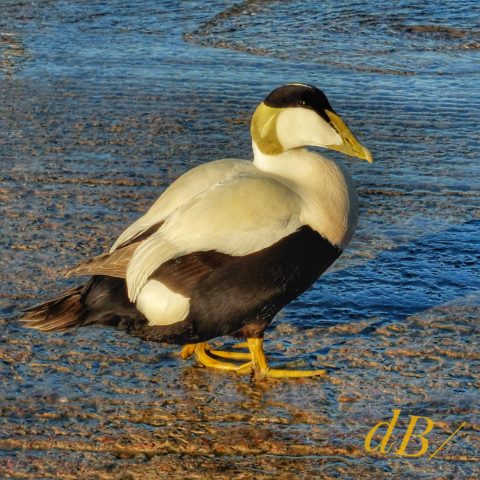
[[235, 295]]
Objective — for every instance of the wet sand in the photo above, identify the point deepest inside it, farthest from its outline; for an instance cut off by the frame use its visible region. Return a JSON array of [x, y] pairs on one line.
[[102, 107]]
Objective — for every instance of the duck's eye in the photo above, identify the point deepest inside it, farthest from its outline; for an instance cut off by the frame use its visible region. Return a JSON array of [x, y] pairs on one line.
[[301, 103]]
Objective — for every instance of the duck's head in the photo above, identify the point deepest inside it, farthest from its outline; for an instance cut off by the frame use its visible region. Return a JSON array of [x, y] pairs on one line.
[[297, 115]]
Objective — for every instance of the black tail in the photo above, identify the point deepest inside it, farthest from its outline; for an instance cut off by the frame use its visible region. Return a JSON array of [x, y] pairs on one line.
[[102, 300], [60, 313]]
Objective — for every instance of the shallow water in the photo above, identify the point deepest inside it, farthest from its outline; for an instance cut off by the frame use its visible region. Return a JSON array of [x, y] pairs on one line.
[[101, 106]]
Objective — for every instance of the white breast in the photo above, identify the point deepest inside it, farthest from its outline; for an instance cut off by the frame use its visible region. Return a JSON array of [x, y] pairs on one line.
[[330, 202]]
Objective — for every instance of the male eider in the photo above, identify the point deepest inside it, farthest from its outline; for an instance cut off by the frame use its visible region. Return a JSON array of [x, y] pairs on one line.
[[228, 244]]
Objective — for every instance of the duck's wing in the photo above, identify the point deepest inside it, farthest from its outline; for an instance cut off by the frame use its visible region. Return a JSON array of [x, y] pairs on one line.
[[190, 184], [111, 264], [236, 217]]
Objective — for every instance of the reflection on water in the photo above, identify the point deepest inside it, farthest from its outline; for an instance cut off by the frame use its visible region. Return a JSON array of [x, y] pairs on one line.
[[102, 105]]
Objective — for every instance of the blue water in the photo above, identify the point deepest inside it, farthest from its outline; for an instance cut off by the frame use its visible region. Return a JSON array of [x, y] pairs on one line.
[[418, 119]]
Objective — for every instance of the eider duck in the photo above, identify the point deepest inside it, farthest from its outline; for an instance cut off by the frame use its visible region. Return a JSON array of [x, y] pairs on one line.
[[229, 243]]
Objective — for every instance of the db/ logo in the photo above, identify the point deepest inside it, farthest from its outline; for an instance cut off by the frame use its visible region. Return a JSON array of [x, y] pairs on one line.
[[422, 432]]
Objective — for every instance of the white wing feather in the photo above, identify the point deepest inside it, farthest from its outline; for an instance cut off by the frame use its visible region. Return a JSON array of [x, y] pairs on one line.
[[236, 217], [181, 191]]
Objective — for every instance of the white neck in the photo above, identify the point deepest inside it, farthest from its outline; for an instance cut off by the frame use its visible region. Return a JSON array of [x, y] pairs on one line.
[[330, 201]]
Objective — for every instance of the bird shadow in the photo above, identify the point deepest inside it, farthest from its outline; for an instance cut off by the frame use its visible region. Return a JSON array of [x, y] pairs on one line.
[[422, 274]]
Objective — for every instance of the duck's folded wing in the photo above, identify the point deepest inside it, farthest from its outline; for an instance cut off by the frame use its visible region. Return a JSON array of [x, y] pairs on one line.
[[190, 184], [111, 264], [237, 217]]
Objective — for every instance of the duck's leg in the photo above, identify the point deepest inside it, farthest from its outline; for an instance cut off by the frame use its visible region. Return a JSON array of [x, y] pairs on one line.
[[262, 370], [257, 361]]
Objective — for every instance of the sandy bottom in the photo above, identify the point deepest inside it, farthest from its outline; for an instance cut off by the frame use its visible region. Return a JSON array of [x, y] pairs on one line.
[[94, 404]]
